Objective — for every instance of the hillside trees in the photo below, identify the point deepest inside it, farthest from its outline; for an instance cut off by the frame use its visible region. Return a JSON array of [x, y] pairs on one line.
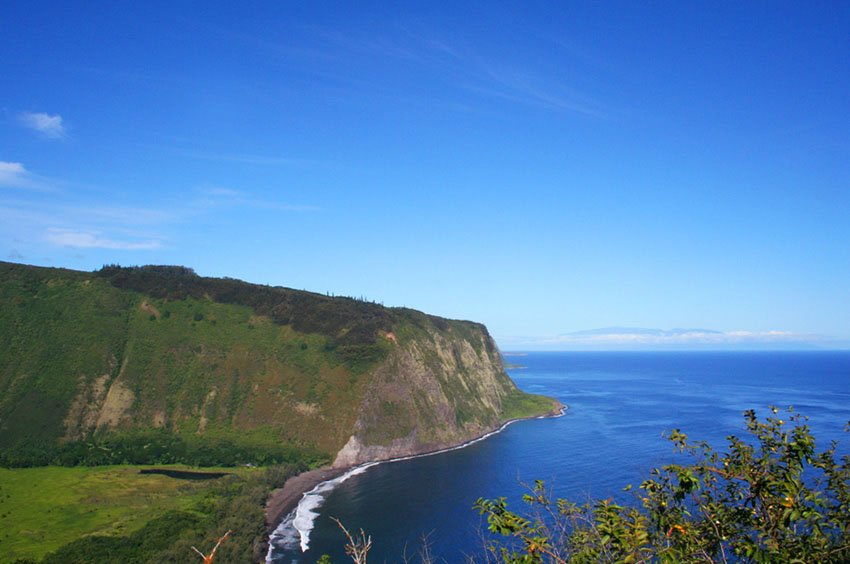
[[155, 446]]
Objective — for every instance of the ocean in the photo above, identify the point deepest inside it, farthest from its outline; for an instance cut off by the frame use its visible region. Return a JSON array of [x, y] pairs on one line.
[[619, 405]]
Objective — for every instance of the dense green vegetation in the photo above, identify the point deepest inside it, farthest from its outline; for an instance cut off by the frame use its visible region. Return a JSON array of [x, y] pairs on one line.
[[519, 404], [348, 320], [117, 514], [44, 351], [158, 365], [771, 497], [42, 509], [157, 446], [215, 373], [233, 503]]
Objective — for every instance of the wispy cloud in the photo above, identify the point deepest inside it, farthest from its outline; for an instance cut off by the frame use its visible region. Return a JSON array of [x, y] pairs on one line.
[[268, 160], [46, 125], [331, 54], [58, 213], [14, 175], [225, 192], [124, 215], [67, 219], [83, 239], [215, 196], [636, 339], [488, 76], [34, 223], [522, 87], [49, 212]]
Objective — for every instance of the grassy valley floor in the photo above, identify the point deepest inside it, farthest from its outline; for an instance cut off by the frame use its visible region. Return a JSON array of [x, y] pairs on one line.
[[42, 509]]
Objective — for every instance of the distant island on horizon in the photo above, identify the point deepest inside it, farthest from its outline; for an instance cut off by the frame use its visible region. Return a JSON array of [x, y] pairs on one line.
[[651, 339]]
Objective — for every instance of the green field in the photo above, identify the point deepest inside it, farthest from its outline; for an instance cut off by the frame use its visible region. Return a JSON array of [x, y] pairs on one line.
[[42, 509], [519, 405]]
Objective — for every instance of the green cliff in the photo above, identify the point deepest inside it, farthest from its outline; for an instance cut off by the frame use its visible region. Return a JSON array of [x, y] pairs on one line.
[[187, 368]]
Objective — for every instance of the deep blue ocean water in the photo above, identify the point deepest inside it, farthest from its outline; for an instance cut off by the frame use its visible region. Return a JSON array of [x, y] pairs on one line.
[[611, 436]]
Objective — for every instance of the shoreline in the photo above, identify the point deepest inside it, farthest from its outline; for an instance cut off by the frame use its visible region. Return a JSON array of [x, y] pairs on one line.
[[283, 501]]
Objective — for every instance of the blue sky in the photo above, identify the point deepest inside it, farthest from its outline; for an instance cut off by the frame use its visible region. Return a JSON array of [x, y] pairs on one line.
[[545, 168]]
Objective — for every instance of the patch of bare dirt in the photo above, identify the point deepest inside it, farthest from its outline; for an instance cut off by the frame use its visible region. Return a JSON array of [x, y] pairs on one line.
[[149, 309]]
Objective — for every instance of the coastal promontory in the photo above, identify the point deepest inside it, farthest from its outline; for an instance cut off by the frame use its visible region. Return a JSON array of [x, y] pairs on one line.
[[219, 371]]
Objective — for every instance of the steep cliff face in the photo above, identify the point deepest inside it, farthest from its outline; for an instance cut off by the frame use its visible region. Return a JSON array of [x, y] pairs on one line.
[[159, 350], [438, 387]]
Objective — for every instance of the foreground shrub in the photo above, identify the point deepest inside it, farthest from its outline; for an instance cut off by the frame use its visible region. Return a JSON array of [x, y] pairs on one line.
[[771, 497]]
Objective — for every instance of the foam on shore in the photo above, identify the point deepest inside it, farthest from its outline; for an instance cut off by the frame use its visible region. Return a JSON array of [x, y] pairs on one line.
[[295, 528]]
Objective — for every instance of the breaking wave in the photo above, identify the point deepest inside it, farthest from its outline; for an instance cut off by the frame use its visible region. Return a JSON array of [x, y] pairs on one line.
[[294, 530]]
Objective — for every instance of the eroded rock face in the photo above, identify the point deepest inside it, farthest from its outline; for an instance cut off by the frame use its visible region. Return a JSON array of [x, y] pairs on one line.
[[432, 392], [105, 401], [354, 452], [126, 350]]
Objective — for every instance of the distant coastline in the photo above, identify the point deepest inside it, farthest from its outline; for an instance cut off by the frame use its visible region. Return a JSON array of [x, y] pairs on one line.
[[512, 365]]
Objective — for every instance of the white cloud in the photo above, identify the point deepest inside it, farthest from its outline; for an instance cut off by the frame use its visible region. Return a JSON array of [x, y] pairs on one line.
[[216, 196], [678, 337], [636, 339], [46, 125], [83, 239], [121, 215], [14, 175]]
